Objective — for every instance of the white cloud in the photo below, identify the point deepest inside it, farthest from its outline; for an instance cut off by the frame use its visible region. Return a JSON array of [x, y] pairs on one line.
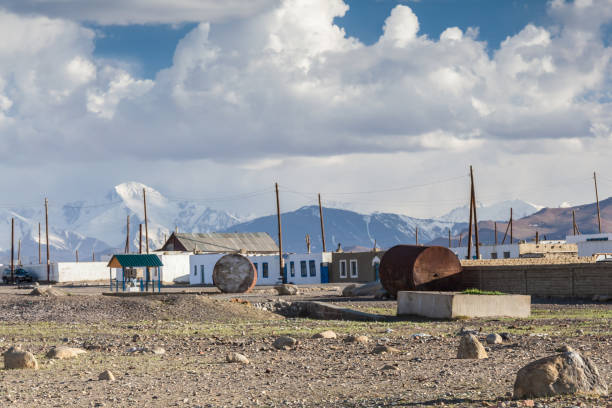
[[139, 11], [288, 86]]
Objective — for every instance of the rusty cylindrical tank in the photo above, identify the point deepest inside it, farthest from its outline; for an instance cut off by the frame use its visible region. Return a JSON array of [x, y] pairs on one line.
[[413, 267], [234, 273]]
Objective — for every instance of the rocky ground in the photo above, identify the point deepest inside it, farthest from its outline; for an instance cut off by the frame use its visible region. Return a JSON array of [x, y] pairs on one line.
[[198, 331]]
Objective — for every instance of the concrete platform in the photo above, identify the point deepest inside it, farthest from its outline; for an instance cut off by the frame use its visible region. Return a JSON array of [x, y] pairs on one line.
[[448, 305]]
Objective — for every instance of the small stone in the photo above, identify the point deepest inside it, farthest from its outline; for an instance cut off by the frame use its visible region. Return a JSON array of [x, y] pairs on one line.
[[284, 343], [327, 334], [357, 339], [106, 375], [390, 367], [494, 338], [529, 403], [287, 290], [471, 348], [63, 352], [158, 350], [237, 358], [381, 349], [136, 338]]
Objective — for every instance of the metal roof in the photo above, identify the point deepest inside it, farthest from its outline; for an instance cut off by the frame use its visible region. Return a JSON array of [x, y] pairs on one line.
[[257, 242], [134, 261]]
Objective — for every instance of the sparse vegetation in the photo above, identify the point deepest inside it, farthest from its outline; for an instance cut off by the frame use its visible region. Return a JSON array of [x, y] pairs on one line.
[[474, 291]]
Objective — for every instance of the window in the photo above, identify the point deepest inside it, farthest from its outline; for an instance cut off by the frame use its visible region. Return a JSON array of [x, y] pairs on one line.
[[493, 255], [353, 268], [506, 254], [195, 270], [343, 269], [312, 267], [303, 269], [264, 269], [292, 268]]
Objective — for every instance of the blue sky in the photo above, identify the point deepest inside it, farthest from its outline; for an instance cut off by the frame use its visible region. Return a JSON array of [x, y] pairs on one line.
[[149, 47]]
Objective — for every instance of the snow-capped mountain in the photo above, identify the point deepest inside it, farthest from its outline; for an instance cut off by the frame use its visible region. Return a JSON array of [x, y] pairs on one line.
[[100, 225], [494, 212]]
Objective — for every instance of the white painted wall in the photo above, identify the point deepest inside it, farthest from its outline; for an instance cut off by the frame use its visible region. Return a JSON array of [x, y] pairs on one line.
[[208, 261], [589, 248], [71, 271], [487, 250], [176, 267], [573, 239]]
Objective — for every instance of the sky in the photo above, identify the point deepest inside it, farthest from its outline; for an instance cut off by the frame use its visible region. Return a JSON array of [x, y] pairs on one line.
[[379, 105]]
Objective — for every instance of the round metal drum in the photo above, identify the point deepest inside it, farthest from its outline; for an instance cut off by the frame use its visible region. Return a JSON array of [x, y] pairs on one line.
[[234, 273], [413, 267]]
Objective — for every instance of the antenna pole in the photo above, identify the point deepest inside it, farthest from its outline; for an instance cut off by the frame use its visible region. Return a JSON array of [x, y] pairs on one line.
[[280, 236], [597, 200], [322, 224], [47, 234]]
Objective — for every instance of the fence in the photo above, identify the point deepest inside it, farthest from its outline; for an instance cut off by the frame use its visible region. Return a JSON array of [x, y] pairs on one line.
[[569, 280]]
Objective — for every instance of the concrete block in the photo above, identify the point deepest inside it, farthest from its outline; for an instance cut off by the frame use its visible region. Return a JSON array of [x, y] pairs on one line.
[[448, 305]]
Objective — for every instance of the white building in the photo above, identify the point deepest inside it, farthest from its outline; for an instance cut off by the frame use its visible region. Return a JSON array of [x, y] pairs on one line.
[[71, 271], [591, 244], [300, 268], [490, 251]]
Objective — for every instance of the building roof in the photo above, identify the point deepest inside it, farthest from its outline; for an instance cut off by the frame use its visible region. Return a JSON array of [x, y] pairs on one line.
[[251, 242], [134, 261]]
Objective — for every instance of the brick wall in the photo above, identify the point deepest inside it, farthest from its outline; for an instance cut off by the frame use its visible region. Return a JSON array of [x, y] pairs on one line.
[[562, 280]]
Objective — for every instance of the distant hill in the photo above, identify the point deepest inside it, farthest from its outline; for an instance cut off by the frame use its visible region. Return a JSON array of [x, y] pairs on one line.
[[494, 212]]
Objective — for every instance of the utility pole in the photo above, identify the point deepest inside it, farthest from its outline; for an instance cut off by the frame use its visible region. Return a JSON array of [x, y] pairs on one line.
[[280, 236], [511, 236], [507, 227], [574, 225], [308, 243], [144, 199], [127, 236], [460, 236], [19, 252], [477, 243], [12, 250], [416, 235], [597, 200], [77, 255], [322, 224], [495, 228], [469, 245], [47, 238], [449, 238], [93, 255], [537, 239], [140, 239], [39, 245]]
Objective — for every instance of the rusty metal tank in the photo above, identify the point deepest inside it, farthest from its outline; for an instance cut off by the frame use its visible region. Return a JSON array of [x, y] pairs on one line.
[[414, 267], [234, 273]]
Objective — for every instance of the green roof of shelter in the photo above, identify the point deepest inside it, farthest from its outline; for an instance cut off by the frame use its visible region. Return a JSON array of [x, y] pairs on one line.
[[134, 261]]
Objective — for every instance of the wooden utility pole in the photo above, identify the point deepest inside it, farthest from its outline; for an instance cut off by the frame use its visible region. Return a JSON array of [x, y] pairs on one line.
[[93, 255], [460, 236], [511, 236], [127, 235], [507, 227], [144, 199], [469, 245], [308, 243], [280, 236], [495, 229], [597, 200], [77, 255], [477, 243], [19, 252], [322, 224], [537, 239], [416, 235], [39, 246], [12, 250], [47, 237], [574, 225], [449, 238], [140, 239]]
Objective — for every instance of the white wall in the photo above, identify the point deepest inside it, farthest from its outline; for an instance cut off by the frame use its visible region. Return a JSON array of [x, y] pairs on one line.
[[71, 271], [487, 250], [176, 267], [588, 248], [572, 239], [209, 261]]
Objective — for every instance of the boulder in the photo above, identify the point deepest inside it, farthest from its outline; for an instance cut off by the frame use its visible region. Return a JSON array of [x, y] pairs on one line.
[[106, 375], [237, 358], [348, 290], [494, 338], [158, 350], [15, 358], [285, 343], [565, 373], [63, 352], [327, 334], [357, 339], [287, 290], [470, 347]]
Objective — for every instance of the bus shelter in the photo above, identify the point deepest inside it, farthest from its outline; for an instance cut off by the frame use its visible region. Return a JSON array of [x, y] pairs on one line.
[[135, 272]]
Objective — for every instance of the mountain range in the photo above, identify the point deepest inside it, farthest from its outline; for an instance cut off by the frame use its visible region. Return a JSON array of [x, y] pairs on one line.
[[100, 226]]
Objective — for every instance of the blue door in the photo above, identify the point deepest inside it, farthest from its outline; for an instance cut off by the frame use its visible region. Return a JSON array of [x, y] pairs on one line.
[[324, 273]]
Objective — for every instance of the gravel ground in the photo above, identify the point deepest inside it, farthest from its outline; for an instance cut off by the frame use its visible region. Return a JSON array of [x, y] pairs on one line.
[[198, 331]]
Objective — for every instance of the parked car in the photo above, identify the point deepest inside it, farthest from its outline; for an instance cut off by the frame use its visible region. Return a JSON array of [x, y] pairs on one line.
[[20, 274]]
